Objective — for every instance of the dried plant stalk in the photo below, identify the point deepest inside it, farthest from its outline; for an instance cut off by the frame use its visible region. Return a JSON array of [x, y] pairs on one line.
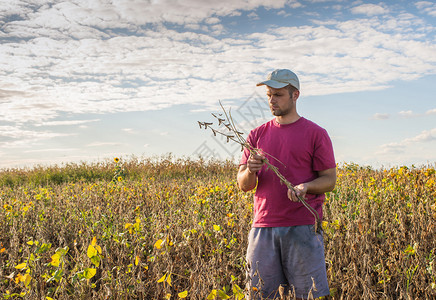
[[236, 136]]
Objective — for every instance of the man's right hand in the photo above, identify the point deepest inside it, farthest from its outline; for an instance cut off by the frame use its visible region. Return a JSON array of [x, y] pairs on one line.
[[255, 163]]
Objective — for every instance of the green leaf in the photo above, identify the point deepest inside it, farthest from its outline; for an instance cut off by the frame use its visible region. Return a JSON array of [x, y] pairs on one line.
[[95, 260], [62, 251], [56, 276], [43, 248]]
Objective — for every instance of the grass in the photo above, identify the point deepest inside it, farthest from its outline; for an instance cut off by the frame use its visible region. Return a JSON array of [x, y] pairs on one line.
[[167, 228]]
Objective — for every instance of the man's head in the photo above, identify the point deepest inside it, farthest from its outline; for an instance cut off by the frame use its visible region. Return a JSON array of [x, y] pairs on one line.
[[280, 78], [283, 91]]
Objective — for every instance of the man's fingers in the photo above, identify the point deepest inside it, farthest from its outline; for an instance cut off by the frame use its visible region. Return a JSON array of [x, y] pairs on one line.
[[293, 196], [255, 163], [257, 157]]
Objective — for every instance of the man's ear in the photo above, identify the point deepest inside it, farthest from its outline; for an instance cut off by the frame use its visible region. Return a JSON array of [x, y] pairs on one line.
[[296, 94]]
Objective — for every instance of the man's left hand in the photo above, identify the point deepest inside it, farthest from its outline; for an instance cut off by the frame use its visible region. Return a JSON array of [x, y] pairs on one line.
[[299, 191]]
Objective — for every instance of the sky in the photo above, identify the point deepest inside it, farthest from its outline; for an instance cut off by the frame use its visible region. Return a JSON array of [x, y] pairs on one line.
[[87, 81]]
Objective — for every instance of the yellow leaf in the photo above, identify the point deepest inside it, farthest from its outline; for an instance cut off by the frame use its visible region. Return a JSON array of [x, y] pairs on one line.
[[169, 279], [30, 243], [94, 241], [26, 279], [2, 250], [212, 295], [216, 227], [19, 278], [162, 279], [324, 225], [183, 294], [91, 251], [168, 296], [222, 295], [158, 244], [89, 273], [137, 260], [400, 171], [127, 225], [48, 298], [55, 260], [21, 266], [238, 292], [98, 248]]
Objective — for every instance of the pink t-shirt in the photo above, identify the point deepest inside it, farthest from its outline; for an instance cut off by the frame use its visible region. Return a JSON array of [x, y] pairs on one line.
[[303, 148]]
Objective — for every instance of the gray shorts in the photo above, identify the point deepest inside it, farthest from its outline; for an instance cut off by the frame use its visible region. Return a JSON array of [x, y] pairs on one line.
[[289, 256]]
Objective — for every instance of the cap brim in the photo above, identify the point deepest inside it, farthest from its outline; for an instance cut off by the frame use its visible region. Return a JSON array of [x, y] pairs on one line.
[[272, 83]]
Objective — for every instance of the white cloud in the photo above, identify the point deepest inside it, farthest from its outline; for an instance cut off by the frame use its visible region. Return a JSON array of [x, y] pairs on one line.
[[380, 116], [294, 4], [391, 148], [52, 150], [103, 144], [255, 16], [427, 7], [369, 9], [406, 114], [67, 123], [71, 16], [400, 147], [212, 20], [425, 136], [129, 131], [431, 111], [15, 132]]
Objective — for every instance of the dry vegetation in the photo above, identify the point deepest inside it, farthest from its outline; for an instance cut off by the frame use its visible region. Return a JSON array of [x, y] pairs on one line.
[[177, 228]]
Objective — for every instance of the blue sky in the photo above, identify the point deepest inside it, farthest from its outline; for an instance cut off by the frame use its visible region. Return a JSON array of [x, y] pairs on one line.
[[93, 80]]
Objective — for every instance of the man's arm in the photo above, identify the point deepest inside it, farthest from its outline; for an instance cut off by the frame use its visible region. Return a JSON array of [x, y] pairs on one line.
[[247, 174], [325, 182]]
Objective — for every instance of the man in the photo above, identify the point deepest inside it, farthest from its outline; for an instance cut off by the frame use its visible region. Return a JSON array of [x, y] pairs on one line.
[[283, 248]]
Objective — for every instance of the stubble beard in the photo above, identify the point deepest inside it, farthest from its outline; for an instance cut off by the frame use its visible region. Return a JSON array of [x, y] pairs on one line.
[[280, 112]]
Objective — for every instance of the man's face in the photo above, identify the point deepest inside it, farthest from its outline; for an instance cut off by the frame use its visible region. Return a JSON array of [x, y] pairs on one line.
[[280, 102]]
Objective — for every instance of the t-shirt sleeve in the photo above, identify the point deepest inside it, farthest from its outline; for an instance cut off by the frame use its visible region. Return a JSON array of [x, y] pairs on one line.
[[323, 156]]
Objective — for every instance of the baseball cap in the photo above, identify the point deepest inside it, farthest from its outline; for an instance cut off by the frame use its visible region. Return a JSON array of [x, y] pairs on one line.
[[280, 78]]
